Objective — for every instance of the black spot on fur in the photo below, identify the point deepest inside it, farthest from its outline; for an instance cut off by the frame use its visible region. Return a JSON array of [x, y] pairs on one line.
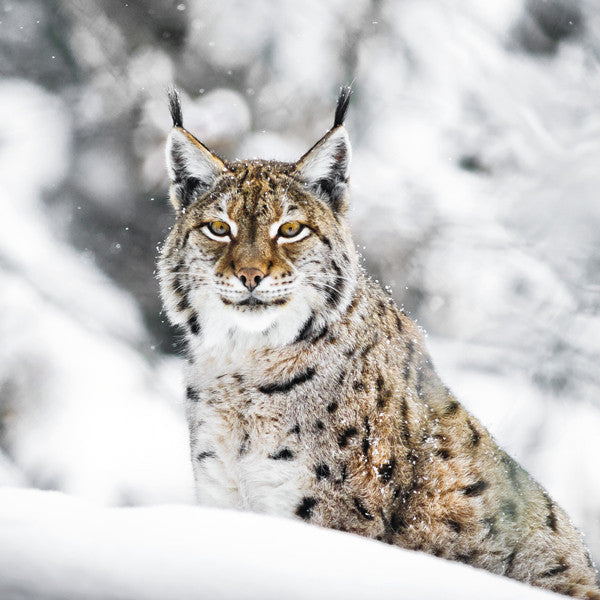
[[287, 386], [551, 517], [192, 394], [509, 509], [454, 525], [559, 569], [358, 385], [319, 425], [466, 557], [284, 454], [451, 408], [397, 522], [295, 429], [320, 334], [510, 561], [383, 397], [352, 305], [399, 323], [345, 435], [491, 524], [512, 470], [366, 443], [474, 490], [332, 407], [475, 435], [392, 526], [183, 304], [367, 349], [362, 509], [379, 382], [204, 455], [194, 325], [386, 470], [443, 453], [322, 471], [305, 509], [344, 473], [245, 444], [404, 428]]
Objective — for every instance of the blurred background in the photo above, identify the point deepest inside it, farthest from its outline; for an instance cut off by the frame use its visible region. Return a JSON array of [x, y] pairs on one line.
[[475, 178]]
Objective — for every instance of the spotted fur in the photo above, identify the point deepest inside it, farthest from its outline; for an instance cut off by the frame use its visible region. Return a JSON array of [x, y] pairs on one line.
[[313, 395]]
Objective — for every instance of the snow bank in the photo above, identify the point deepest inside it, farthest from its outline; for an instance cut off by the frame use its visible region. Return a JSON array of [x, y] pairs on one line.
[[54, 546]]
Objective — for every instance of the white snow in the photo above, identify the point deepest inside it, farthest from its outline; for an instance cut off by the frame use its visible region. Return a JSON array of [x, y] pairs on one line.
[[54, 546]]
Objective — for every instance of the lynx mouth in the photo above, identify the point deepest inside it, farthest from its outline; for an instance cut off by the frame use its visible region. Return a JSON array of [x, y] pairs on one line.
[[253, 303]]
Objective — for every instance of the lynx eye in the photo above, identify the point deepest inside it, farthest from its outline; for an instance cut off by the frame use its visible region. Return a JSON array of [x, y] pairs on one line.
[[290, 229], [219, 228]]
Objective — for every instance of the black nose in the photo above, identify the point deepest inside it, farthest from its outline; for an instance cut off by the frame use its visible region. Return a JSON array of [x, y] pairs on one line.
[[250, 277]]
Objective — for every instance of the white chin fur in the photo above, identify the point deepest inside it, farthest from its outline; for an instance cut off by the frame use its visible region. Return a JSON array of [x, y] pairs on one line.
[[227, 329]]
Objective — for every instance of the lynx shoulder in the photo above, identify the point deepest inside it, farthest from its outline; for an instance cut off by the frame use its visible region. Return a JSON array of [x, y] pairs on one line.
[[311, 395]]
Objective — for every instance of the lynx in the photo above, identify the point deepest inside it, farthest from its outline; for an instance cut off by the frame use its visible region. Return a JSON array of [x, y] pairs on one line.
[[311, 395]]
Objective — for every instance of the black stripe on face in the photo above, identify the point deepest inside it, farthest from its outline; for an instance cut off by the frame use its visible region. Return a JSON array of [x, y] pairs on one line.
[[287, 386], [183, 304], [306, 329], [334, 293], [194, 324]]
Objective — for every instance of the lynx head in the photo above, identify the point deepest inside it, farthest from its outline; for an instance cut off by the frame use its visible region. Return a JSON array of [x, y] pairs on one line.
[[260, 250]]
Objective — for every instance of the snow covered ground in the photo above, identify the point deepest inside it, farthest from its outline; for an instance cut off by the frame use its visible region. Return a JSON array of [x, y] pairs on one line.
[[54, 546]]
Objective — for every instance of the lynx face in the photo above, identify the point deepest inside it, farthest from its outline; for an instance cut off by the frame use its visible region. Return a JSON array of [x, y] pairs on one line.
[[259, 247]]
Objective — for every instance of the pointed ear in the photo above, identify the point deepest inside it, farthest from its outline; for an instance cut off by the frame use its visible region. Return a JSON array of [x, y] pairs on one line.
[[193, 168], [325, 168]]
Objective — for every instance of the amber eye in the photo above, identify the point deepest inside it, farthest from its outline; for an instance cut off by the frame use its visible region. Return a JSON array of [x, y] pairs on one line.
[[290, 229], [219, 228]]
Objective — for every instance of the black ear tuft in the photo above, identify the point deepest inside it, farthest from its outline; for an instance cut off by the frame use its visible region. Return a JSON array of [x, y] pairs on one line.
[[342, 105], [175, 107]]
